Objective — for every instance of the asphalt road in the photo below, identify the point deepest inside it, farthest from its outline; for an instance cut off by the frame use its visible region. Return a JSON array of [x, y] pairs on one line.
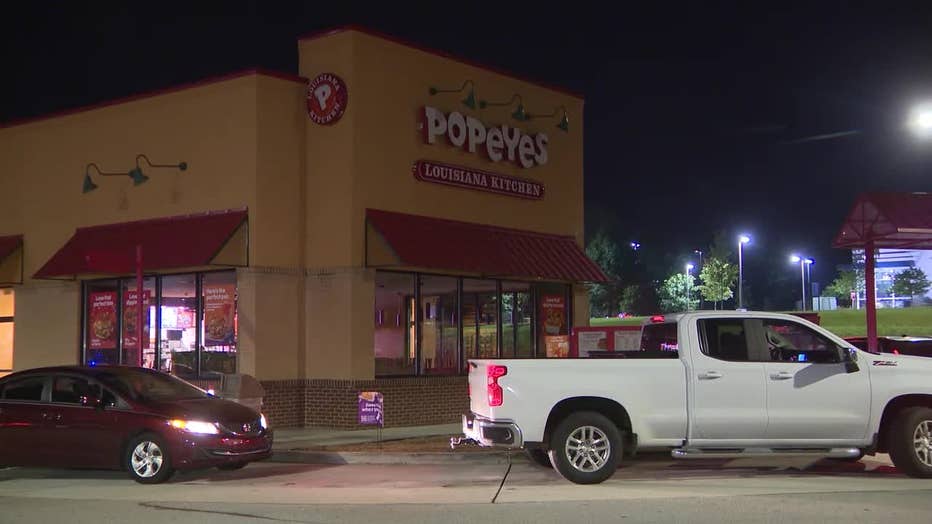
[[646, 490]]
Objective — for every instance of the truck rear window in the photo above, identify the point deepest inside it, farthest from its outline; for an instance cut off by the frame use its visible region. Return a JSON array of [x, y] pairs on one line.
[[659, 340]]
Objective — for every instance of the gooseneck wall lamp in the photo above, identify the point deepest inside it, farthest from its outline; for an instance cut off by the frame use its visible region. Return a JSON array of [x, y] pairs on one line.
[[563, 125], [469, 101], [519, 113], [135, 174]]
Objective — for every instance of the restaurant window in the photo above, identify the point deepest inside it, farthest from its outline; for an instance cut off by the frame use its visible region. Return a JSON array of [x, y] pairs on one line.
[[178, 329], [480, 318], [6, 331], [219, 323], [395, 351], [517, 341], [128, 303], [189, 328], [439, 325]]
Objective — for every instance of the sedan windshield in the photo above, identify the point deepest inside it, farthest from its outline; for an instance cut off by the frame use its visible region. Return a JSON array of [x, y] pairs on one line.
[[145, 385]]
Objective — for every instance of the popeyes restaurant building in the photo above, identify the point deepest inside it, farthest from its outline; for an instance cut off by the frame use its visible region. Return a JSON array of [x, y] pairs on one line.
[[366, 226]]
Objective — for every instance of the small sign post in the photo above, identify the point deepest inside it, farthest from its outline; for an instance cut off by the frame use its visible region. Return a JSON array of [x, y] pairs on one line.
[[371, 411]]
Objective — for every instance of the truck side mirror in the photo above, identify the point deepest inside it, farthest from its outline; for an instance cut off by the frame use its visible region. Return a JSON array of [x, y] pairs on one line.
[[850, 357]]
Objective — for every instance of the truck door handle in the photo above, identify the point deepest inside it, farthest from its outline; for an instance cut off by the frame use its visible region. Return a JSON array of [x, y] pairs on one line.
[[783, 375], [710, 375]]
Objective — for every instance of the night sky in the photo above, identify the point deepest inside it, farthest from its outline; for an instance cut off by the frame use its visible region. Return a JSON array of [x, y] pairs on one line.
[[694, 116]]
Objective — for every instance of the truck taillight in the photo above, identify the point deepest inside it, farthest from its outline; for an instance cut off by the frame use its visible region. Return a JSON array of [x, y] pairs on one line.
[[495, 391]]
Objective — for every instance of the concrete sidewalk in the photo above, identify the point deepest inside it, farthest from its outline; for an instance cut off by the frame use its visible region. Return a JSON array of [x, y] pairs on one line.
[[295, 445]]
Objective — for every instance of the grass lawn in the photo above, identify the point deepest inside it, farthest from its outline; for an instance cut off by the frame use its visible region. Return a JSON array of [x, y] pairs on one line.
[[914, 321]]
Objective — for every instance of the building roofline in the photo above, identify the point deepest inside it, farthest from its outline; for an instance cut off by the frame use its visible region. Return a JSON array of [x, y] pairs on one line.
[[156, 92], [443, 54]]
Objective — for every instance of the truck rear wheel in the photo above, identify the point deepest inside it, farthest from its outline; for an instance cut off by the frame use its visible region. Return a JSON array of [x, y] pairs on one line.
[[586, 448], [910, 442]]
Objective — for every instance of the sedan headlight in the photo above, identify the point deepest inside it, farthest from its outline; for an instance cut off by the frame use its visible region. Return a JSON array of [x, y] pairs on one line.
[[195, 426], [263, 422]]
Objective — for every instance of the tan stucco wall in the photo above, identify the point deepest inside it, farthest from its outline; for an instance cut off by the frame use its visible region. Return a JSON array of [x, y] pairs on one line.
[[216, 129], [249, 143], [378, 140]]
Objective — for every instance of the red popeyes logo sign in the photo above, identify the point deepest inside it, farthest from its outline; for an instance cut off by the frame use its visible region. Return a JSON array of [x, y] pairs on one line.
[[326, 99]]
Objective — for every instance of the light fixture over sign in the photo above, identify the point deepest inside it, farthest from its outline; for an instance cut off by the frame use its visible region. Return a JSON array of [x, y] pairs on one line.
[[135, 174]]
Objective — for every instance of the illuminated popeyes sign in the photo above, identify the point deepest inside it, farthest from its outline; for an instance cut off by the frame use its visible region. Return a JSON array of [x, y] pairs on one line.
[[496, 143]]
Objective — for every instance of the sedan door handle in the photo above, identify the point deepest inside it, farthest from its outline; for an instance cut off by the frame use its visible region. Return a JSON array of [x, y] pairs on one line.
[[783, 375], [710, 375]]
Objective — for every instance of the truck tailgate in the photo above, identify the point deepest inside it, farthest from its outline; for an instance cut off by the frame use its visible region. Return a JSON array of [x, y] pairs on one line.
[[478, 387]]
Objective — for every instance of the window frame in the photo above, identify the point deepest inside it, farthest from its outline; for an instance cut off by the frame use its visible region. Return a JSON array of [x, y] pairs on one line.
[[763, 348], [43, 397], [750, 337]]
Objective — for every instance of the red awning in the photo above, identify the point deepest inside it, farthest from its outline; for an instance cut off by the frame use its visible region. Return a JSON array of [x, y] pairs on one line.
[[889, 220], [9, 244], [167, 243], [434, 243]]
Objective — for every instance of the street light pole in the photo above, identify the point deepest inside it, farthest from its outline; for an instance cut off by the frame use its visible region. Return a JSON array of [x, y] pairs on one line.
[[699, 252], [688, 269], [802, 278], [742, 240], [809, 262]]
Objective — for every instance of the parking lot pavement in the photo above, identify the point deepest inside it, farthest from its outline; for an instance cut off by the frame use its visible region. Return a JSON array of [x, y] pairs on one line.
[[642, 478]]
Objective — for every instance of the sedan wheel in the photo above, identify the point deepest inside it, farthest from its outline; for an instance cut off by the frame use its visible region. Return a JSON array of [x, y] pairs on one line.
[[147, 460]]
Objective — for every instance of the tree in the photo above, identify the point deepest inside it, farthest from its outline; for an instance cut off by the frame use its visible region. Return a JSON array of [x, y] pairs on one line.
[[639, 299], [604, 297], [848, 281], [673, 293], [911, 282], [718, 278]]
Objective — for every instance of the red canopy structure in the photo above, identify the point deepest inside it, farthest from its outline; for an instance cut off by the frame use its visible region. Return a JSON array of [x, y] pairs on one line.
[[885, 220]]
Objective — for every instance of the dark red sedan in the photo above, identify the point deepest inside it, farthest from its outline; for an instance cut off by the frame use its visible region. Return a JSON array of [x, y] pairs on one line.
[[144, 421]]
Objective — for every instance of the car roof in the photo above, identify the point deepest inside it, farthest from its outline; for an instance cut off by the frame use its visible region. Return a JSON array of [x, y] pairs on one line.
[[93, 371]]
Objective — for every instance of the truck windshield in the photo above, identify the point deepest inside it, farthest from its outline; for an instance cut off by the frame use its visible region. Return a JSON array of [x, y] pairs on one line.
[[659, 337]]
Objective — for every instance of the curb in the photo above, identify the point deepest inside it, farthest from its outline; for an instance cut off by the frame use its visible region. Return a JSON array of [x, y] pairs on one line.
[[361, 457]]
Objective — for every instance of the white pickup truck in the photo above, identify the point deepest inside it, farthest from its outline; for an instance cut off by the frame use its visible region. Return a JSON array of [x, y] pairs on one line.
[[706, 384]]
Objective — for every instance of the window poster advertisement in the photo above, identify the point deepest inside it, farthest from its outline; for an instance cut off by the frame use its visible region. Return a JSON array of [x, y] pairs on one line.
[[553, 314], [101, 320], [553, 325], [130, 315], [558, 346], [219, 306]]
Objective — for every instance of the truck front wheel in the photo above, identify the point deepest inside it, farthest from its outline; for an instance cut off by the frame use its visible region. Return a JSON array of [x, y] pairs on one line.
[[910, 442], [586, 448]]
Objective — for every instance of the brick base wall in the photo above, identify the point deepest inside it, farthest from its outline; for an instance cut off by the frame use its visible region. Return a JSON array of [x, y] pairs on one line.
[[410, 401]]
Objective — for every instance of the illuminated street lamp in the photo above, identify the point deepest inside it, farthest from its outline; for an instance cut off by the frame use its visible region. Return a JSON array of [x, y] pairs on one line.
[[804, 264], [742, 240], [635, 245], [689, 268], [921, 120]]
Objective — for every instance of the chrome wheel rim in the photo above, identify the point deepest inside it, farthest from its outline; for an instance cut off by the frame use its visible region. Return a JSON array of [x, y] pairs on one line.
[[587, 449], [146, 460], [922, 442]]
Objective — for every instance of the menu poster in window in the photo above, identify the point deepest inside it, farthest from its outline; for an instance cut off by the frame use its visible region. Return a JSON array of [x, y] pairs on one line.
[[130, 315], [219, 306], [553, 314], [101, 320], [558, 346]]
